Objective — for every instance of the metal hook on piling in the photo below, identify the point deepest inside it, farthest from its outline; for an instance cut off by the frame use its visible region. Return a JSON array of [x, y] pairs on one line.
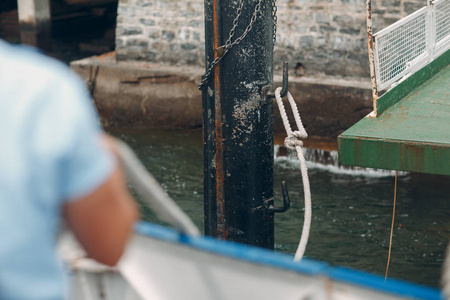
[[286, 200], [284, 87]]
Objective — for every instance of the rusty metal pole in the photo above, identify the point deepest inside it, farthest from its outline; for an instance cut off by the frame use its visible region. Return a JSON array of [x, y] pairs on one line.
[[370, 41], [238, 125]]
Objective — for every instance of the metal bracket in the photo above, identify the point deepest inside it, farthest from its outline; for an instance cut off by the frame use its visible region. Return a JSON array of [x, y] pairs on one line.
[[286, 201], [267, 90]]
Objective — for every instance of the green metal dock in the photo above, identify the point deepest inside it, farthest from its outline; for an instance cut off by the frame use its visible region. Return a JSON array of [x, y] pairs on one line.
[[412, 129]]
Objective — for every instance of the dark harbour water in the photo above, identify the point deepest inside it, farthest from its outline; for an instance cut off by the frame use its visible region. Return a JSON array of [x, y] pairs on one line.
[[352, 209]]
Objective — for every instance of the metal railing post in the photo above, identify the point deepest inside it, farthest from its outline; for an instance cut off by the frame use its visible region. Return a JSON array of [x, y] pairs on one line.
[[370, 45]]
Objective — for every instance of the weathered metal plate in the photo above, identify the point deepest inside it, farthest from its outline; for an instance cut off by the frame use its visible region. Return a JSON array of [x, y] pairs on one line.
[[411, 135]]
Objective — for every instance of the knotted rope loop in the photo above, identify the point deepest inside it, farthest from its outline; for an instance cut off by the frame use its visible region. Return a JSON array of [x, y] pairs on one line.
[[301, 132], [293, 142]]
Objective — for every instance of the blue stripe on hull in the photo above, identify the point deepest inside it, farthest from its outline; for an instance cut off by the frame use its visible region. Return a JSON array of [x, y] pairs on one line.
[[285, 261]]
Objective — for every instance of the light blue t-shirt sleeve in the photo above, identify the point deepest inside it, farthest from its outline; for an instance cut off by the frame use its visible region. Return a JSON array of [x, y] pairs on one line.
[[68, 129], [88, 164]]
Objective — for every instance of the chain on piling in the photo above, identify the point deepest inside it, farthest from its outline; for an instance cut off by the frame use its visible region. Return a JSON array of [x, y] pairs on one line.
[[229, 44], [274, 17]]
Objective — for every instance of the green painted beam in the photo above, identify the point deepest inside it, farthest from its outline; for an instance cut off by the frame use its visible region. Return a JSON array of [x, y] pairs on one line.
[[395, 155], [411, 135]]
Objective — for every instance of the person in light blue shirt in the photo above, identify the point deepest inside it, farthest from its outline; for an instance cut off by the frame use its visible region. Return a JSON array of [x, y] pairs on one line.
[[55, 163]]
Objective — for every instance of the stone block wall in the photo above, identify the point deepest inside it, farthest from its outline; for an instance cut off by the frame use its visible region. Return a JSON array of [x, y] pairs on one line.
[[167, 31], [327, 36]]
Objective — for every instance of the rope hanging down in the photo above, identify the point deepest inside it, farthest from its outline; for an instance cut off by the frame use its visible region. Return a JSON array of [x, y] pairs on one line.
[[293, 142], [445, 279]]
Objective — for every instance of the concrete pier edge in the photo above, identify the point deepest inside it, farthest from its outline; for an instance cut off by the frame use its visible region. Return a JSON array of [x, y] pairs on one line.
[[138, 94]]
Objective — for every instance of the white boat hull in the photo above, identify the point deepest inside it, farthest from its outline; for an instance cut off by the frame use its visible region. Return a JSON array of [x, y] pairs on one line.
[[163, 264]]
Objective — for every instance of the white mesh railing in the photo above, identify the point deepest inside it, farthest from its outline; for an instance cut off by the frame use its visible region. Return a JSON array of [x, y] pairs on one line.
[[407, 45], [442, 17]]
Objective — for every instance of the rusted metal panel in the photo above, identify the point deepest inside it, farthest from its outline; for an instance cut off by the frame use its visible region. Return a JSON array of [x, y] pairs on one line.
[[221, 229]]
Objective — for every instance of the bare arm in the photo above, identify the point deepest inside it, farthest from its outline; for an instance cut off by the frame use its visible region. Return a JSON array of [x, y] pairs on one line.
[[103, 220]]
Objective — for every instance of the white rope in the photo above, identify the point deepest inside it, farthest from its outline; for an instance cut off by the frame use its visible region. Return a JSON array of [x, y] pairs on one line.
[[293, 142], [445, 279]]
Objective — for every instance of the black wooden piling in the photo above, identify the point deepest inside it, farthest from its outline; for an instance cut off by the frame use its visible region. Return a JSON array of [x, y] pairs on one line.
[[238, 125]]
